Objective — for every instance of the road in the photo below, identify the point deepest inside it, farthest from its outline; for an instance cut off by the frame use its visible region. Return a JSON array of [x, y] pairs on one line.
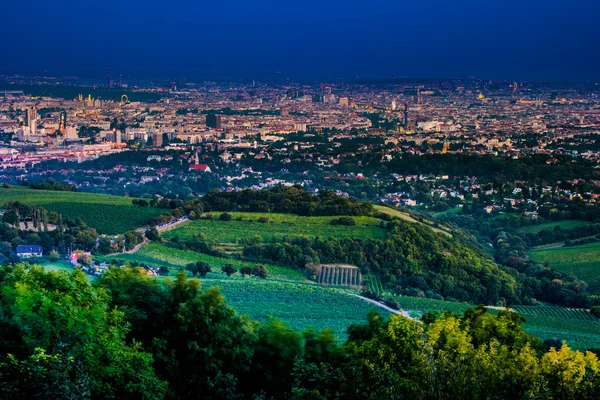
[[161, 228], [397, 312]]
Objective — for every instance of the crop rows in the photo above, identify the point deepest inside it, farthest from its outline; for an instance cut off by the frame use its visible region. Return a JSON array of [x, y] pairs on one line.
[[339, 275], [556, 312], [373, 284], [300, 305], [107, 214]]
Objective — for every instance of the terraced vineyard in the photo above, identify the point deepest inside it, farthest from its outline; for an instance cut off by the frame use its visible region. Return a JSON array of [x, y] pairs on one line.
[[244, 226], [410, 218], [107, 214]]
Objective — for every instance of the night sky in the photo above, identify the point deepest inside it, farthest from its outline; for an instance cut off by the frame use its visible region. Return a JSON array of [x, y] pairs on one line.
[[491, 39]]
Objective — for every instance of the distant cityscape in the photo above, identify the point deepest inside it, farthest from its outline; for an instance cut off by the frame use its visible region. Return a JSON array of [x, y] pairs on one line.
[[259, 134]]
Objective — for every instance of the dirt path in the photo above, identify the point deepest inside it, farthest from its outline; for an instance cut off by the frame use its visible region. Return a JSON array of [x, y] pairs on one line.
[[397, 312], [160, 229]]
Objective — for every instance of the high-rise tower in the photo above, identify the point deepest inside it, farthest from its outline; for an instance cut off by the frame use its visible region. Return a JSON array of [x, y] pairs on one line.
[[62, 123]]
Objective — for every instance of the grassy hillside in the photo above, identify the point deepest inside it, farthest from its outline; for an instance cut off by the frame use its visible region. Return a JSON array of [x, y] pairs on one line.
[[582, 261], [107, 214], [409, 218], [277, 226], [567, 224], [156, 255]]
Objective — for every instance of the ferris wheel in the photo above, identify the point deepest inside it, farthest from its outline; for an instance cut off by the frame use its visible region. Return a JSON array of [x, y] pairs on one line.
[[124, 99]]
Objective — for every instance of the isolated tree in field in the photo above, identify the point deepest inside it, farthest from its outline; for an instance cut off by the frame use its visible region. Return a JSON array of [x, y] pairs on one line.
[[163, 270], [225, 217], [132, 239], [229, 269], [54, 255], [245, 270], [254, 240], [199, 268], [153, 234], [259, 271]]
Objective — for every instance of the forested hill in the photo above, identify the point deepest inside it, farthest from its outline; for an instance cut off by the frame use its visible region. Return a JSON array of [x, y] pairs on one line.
[[413, 259]]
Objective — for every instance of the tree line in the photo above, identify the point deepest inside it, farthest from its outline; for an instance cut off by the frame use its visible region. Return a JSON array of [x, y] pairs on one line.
[[130, 336]]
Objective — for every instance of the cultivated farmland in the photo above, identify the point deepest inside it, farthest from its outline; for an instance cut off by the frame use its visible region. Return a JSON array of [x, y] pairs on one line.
[[299, 305], [244, 226], [567, 224], [107, 214], [156, 255], [581, 261]]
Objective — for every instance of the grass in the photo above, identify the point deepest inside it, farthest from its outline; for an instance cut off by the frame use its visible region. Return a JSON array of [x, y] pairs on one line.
[[581, 261], [450, 211], [57, 266], [107, 214], [409, 218], [278, 226], [156, 255], [566, 224]]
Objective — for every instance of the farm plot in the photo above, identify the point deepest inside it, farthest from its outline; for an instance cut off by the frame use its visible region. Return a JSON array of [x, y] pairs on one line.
[[581, 261], [156, 255], [566, 224], [244, 226], [300, 305], [578, 328], [107, 214]]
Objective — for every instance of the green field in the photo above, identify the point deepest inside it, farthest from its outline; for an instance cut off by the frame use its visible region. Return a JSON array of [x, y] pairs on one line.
[[299, 305], [409, 218], [578, 327], [278, 226], [156, 255], [107, 214], [581, 261], [566, 224], [455, 210], [57, 266]]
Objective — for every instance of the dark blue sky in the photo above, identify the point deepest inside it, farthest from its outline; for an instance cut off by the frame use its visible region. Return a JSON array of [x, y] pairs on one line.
[[510, 39]]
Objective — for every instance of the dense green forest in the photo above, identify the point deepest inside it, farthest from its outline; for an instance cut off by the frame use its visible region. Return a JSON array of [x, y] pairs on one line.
[[131, 336]]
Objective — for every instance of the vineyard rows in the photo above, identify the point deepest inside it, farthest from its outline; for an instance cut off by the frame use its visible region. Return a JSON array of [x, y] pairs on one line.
[[373, 284], [556, 312], [107, 214], [300, 305], [339, 275]]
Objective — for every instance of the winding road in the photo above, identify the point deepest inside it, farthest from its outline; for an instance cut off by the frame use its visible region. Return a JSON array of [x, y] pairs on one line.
[[397, 312]]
